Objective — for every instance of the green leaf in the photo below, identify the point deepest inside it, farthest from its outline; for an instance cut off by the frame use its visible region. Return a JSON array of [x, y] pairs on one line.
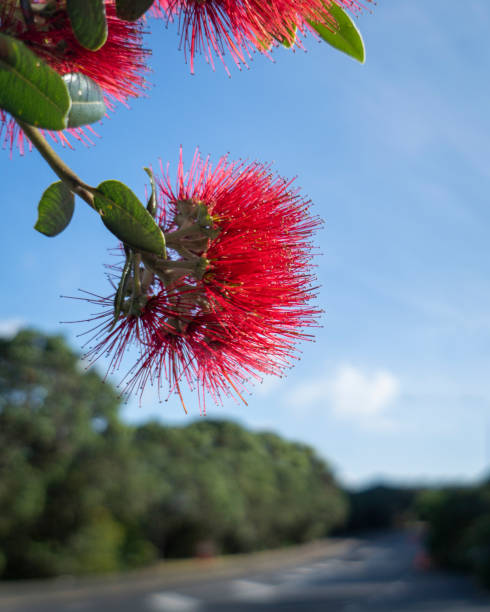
[[29, 89], [346, 37], [55, 209], [88, 20], [151, 206], [121, 289], [131, 10], [289, 41], [264, 45], [87, 100], [126, 217]]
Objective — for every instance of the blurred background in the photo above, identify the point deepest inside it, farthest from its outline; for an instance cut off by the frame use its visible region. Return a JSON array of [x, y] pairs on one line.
[[385, 420]]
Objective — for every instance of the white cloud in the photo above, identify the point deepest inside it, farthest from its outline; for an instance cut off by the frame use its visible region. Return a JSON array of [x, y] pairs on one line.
[[356, 394], [9, 327], [268, 386], [308, 393], [351, 394]]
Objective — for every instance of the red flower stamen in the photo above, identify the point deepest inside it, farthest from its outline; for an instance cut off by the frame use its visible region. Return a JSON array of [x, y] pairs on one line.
[[234, 298], [240, 27], [118, 67]]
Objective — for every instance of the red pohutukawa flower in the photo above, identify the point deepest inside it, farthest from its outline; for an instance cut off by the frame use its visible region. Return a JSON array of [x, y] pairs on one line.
[[233, 297], [243, 26], [118, 67]]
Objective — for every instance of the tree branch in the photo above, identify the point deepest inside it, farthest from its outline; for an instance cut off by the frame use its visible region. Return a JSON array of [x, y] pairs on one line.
[[64, 172]]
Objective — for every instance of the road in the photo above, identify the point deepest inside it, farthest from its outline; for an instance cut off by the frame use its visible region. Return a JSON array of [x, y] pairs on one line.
[[383, 572]]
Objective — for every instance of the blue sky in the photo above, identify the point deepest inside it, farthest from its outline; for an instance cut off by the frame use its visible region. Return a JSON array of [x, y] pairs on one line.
[[395, 155]]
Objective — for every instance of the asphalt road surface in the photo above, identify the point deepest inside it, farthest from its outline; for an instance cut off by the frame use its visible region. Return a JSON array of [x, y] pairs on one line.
[[385, 572]]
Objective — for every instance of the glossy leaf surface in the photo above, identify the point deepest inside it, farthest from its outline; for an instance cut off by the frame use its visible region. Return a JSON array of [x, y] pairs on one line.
[[345, 37], [55, 209], [88, 20], [87, 100], [131, 10], [126, 217], [29, 89]]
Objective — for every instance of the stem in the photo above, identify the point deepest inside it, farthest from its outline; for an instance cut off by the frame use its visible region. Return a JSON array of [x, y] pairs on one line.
[[184, 232], [64, 172]]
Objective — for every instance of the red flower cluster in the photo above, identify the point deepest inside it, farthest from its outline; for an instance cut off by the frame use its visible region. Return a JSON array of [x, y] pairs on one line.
[[118, 67], [234, 296], [242, 26]]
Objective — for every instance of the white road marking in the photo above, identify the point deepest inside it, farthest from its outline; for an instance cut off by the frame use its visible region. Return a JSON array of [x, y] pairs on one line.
[[305, 569], [288, 576], [168, 601], [252, 591]]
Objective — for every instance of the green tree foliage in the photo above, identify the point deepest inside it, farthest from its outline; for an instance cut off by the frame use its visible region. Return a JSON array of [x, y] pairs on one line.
[[458, 520], [478, 546], [80, 492], [54, 417], [380, 507], [243, 491]]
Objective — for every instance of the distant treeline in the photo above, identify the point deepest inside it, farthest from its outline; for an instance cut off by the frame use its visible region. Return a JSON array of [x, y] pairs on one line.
[[458, 528], [380, 507], [456, 521], [81, 492]]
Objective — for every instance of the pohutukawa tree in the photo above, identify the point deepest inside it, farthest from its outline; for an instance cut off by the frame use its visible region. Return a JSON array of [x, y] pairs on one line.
[[215, 286], [234, 291], [95, 80], [240, 27]]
